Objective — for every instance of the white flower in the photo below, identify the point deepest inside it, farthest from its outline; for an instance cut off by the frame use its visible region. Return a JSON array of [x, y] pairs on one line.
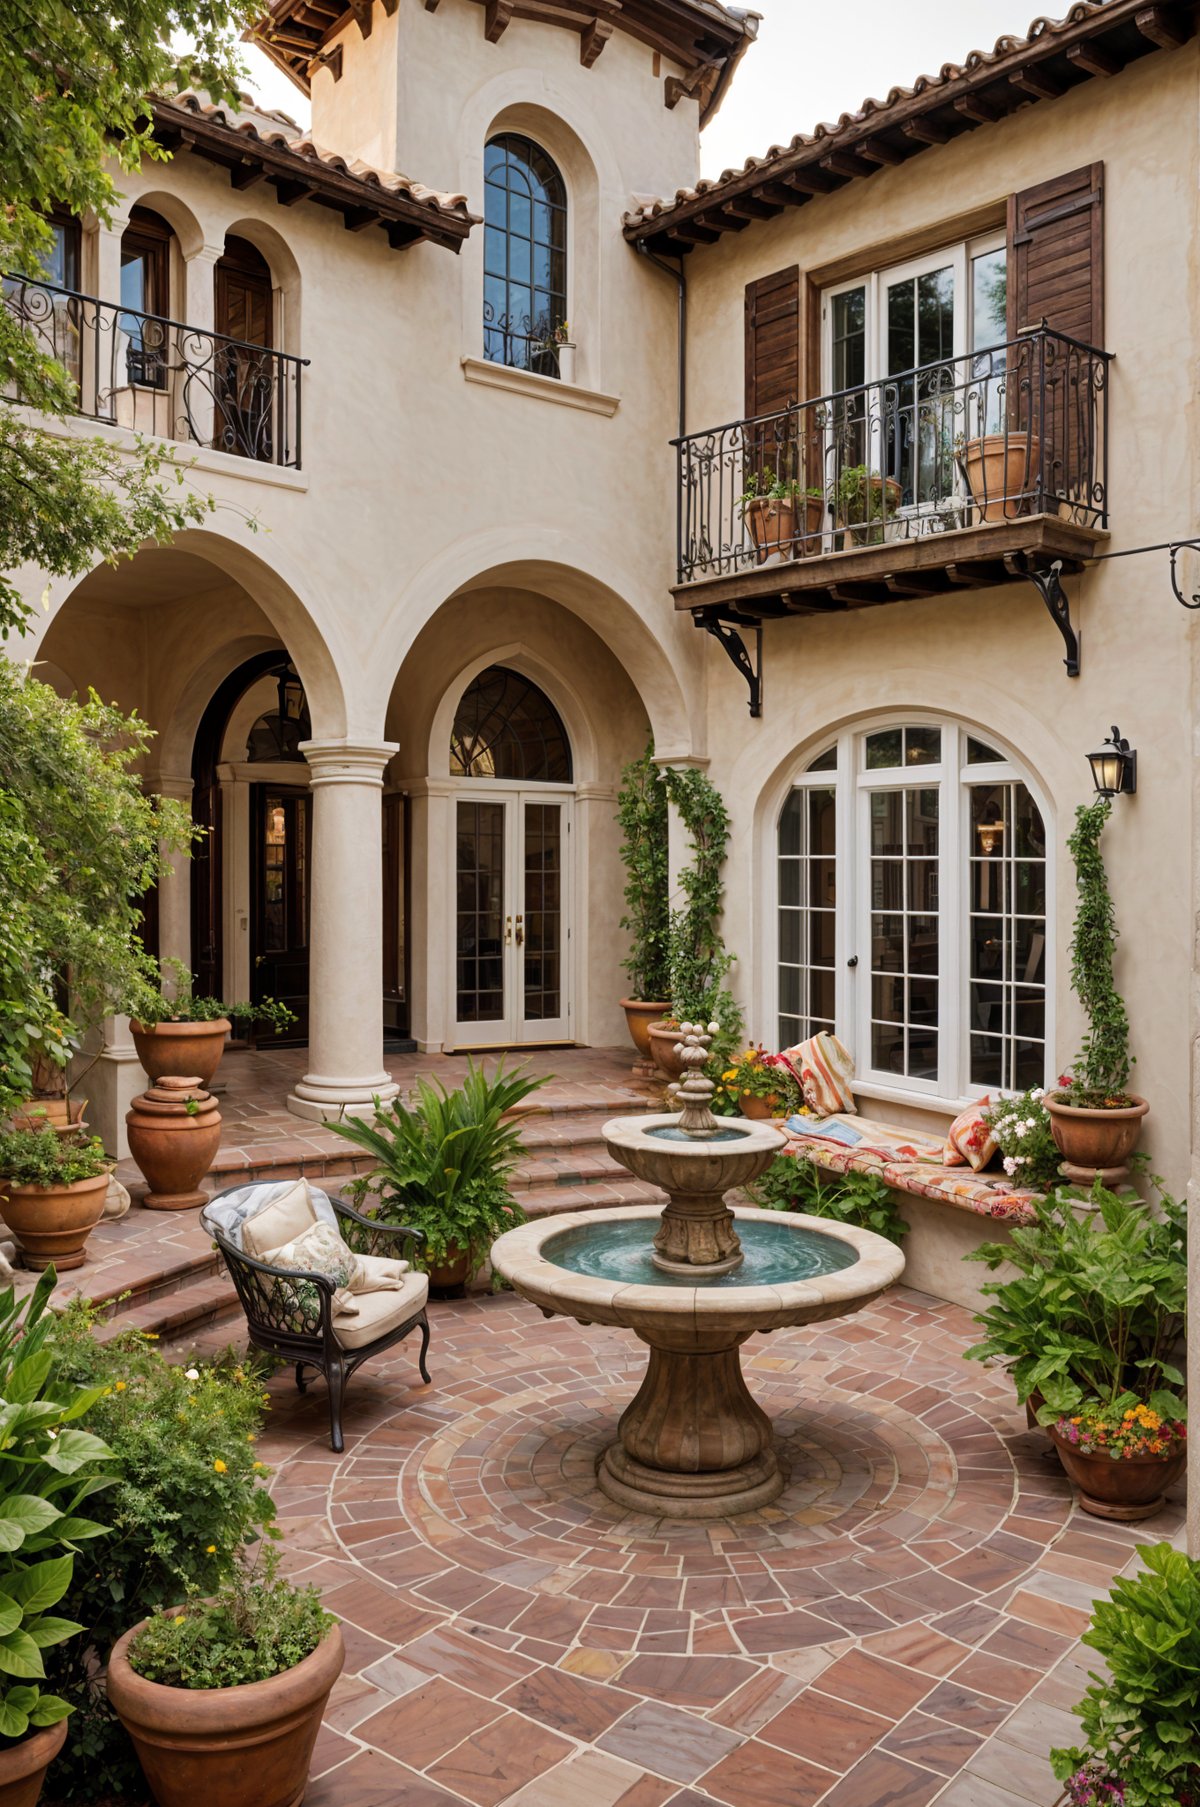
[[1039, 1091], [1010, 1165], [1022, 1129], [191, 1374]]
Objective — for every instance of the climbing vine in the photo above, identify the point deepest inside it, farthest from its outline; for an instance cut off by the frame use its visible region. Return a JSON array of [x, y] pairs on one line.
[[642, 815], [699, 962], [1101, 1071]]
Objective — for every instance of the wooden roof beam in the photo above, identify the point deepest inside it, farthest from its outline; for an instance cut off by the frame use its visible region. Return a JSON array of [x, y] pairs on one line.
[[289, 190], [750, 207], [245, 175], [926, 131], [497, 18], [363, 11], [327, 59], [978, 108], [1037, 82], [695, 233], [878, 150], [842, 163], [1093, 59], [595, 36], [1162, 27], [810, 180]]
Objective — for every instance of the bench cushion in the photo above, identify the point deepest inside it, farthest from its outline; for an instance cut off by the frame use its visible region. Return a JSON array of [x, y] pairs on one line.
[[908, 1161], [380, 1312]]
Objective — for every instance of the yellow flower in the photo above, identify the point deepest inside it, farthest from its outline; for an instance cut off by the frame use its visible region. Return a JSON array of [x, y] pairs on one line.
[[120, 1386], [211, 1550], [220, 1466], [258, 1467], [732, 1074], [250, 1437]]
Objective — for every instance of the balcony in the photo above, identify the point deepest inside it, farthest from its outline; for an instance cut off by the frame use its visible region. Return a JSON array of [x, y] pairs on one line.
[[977, 470], [159, 377]]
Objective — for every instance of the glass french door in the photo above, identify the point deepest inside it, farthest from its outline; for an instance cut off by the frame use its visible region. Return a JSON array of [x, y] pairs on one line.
[[511, 927]]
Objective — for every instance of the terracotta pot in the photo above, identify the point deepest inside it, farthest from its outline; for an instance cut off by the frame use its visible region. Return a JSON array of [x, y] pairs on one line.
[[242, 1747], [884, 501], [174, 1146], [638, 1018], [1095, 1144], [168, 1049], [64, 1119], [772, 524], [23, 1766], [662, 1048], [53, 1223], [453, 1274], [1123, 1490], [814, 524], [761, 1109], [1002, 473]]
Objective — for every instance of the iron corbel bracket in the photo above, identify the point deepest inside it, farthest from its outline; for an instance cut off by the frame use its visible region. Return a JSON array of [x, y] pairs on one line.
[[725, 630], [1048, 584]]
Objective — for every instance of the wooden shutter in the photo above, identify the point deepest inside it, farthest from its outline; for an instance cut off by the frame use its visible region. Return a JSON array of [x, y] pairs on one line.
[[773, 342], [1056, 256]]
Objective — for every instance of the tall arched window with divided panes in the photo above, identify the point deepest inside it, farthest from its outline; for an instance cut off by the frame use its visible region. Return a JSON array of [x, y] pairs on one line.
[[525, 255], [912, 896]]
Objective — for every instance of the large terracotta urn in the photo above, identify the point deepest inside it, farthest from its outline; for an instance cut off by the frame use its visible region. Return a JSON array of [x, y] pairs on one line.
[[666, 1049], [1095, 1144], [171, 1048], [53, 1223], [23, 1765], [249, 1746], [174, 1132], [638, 1016]]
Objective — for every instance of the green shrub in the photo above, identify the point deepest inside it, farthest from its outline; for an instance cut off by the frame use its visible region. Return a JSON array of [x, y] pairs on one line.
[[442, 1164], [642, 815], [1142, 1725], [50, 1469], [39, 1157], [1097, 1306], [255, 1627], [794, 1183], [189, 1495]]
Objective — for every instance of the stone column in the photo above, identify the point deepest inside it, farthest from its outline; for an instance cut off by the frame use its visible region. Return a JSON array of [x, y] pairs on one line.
[[346, 940], [431, 911], [196, 351], [175, 888], [107, 1086]]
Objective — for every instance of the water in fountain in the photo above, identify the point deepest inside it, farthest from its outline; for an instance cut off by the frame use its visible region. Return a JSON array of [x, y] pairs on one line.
[[773, 1255]]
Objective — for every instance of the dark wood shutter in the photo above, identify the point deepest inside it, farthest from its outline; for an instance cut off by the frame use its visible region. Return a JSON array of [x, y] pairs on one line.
[[773, 342], [1056, 256]]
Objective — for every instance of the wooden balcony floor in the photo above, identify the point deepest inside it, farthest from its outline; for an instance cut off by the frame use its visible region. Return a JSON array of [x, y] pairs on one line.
[[935, 564]]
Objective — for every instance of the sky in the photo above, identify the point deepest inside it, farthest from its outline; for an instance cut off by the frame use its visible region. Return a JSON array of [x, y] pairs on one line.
[[811, 62]]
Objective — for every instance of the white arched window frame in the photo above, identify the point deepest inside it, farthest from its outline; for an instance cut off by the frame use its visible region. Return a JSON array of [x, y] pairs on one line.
[[934, 962]]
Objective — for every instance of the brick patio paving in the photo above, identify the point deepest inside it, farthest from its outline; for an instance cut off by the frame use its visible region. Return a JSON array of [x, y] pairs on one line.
[[900, 1628]]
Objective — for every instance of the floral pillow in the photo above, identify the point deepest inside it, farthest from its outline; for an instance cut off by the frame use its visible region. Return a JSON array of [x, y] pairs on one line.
[[970, 1142], [320, 1250]]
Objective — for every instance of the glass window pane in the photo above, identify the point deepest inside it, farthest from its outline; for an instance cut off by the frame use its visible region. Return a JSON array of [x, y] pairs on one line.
[[824, 762], [1007, 935], [935, 316], [807, 919], [849, 336], [989, 299], [922, 746], [979, 753], [524, 250], [884, 749], [791, 822], [505, 727]]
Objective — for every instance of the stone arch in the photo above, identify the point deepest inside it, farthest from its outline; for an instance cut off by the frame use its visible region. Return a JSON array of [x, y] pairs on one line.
[[189, 233], [562, 694]]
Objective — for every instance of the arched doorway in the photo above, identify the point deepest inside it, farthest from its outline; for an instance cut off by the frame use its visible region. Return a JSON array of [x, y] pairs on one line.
[[251, 890], [511, 763]]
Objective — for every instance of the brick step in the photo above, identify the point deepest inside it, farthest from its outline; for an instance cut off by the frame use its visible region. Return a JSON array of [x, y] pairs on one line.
[[199, 1302], [575, 1167], [564, 1135], [154, 1269], [549, 1201]]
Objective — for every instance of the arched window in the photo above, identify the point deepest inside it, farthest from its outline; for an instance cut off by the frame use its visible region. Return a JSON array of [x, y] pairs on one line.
[[146, 291], [912, 906], [525, 255], [505, 727]]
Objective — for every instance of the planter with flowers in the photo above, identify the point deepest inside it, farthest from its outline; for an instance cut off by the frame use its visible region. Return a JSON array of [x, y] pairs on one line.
[[52, 1192], [1095, 1120], [759, 1085], [223, 1697], [1122, 1456], [1025, 1140], [184, 1036]]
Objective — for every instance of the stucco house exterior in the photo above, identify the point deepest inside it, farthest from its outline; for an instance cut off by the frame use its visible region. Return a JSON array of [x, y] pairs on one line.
[[455, 575]]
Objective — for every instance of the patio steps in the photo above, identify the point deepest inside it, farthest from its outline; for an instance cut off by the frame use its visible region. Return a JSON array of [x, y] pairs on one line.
[[172, 1282]]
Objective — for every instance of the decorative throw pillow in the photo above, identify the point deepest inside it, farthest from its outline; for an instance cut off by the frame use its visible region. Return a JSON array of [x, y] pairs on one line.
[[969, 1141], [320, 1250], [823, 1068], [287, 1216]]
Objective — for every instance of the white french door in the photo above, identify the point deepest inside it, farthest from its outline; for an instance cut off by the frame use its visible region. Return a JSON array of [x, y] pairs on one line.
[[512, 936]]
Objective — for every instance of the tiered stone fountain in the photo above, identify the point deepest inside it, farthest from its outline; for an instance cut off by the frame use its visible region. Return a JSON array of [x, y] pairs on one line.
[[693, 1281]]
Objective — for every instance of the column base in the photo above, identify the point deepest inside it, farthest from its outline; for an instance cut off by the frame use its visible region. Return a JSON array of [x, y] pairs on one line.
[[320, 1098], [631, 1484], [107, 1092]]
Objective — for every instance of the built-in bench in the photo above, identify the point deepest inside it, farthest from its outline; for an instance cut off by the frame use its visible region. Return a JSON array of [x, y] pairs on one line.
[[950, 1211]]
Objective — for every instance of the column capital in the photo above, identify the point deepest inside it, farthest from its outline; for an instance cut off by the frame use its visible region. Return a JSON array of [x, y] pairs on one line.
[[203, 254], [347, 761], [178, 785], [682, 762]]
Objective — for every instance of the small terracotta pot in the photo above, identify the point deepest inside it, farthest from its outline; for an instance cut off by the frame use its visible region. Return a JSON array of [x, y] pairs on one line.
[[174, 1146], [761, 1109], [453, 1274], [53, 1223], [1095, 1144], [1122, 1490], [63, 1118], [663, 1043], [1002, 472], [241, 1747], [167, 1049], [638, 1017], [814, 523], [23, 1766], [772, 524]]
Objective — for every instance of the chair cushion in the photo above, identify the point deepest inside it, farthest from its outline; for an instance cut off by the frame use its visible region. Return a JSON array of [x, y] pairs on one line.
[[280, 1221], [320, 1250], [380, 1312], [969, 1139]]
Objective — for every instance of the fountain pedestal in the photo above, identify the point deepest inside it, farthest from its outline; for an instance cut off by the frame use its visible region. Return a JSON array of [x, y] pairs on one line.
[[693, 1441]]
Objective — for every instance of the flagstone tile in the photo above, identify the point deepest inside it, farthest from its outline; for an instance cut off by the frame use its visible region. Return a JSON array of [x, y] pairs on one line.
[[825, 1730], [424, 1724], [669, 1742], [758, 1775], [499, 1759], [567, 1703]]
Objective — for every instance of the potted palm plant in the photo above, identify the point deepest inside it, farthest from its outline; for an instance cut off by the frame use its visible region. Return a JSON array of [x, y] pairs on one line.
[[52, 1192], [223, 1697], [442, 1165], [1094, 1119], [642, 815]]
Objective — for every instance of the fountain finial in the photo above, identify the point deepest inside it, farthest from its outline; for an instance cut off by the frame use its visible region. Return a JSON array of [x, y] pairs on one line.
[[694, 1093]]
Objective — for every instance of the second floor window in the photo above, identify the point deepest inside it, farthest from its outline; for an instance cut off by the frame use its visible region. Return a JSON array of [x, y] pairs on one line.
[[525, 255]]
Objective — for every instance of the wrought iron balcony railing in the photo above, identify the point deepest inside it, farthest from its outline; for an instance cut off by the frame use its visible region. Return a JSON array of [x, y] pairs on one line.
[[1018, 430], [159, 376]]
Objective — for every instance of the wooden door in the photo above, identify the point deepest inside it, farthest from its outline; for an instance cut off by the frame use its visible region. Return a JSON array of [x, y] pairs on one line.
[[282, 862], [244, 386]]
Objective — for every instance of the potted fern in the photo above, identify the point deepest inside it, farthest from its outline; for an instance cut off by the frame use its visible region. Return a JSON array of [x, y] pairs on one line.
[[1094, 1118], [442, 1165], [642, 816]]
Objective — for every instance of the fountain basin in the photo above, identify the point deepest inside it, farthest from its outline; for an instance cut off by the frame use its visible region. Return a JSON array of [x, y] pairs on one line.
[[696, 1235], [694, 1443]]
